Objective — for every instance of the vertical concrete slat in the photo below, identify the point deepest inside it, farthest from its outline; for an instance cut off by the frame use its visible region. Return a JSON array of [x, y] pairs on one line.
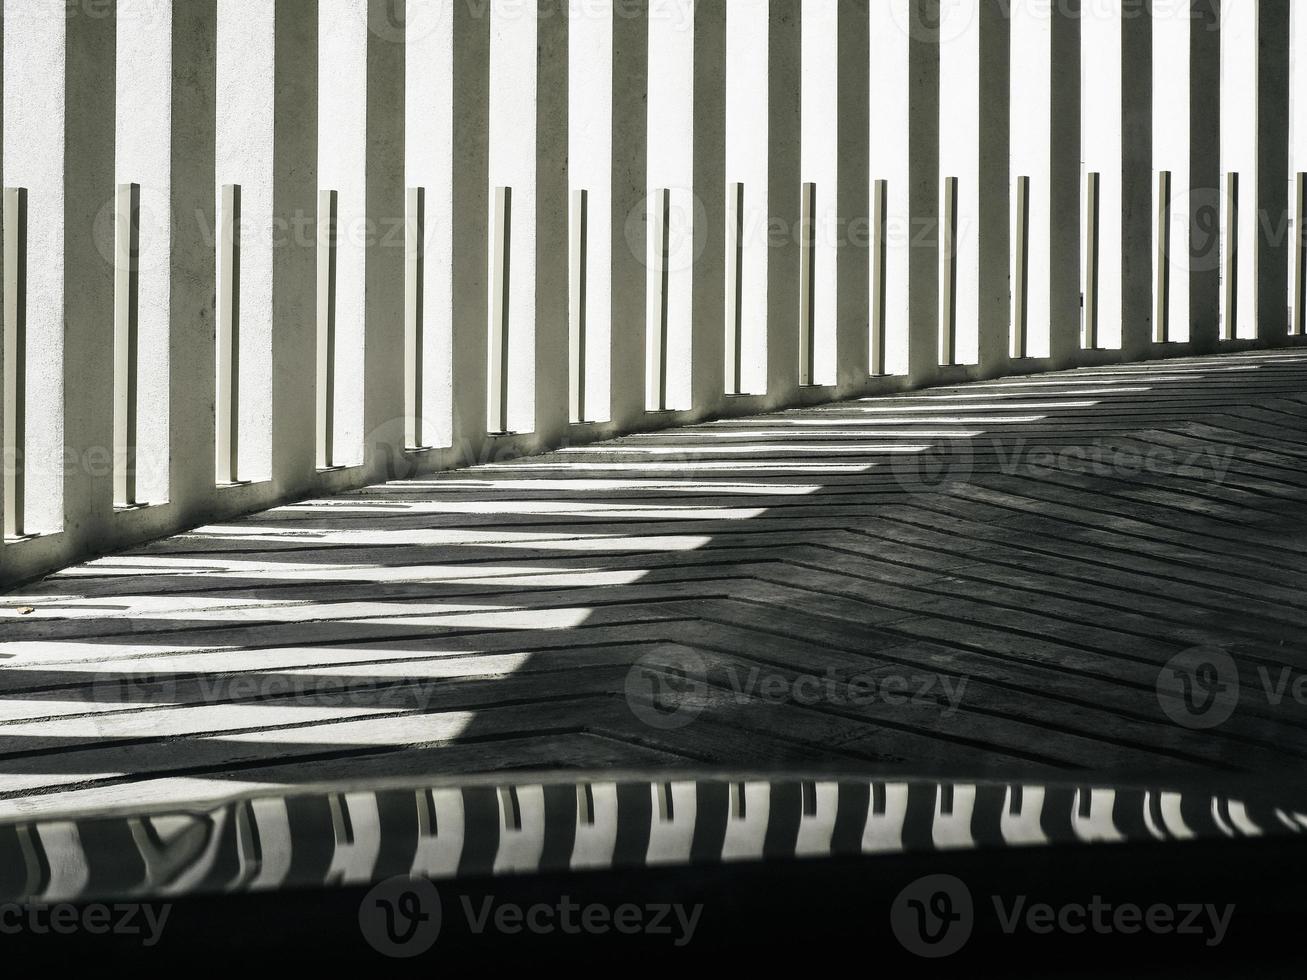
[[948, 314], [629, 191], [853, 204], [227, 346], [193, 259], [325, 380], [414, 272], [578, 251], [1093, 243], [658, 337], [295, 249], [923, 192], [1272, 261], [470, 179], [733, 335], [499, 339], [1021, 269], [1138, 221], [1299, 245], [1162, 243], [708, 278], [1064, 187], [14, 404], [126, 325], [995, 233], [88, 295], [1230, 272], [383, 265], [784, 193], [879, 286], [807, 320], [551, 222], [1204, 218]]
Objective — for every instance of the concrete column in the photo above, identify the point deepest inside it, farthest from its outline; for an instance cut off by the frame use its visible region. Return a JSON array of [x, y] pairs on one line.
[[1204, 174], [1064, 186], [708, 217], [1272, 170], [629, 189], [1138, 217], [383, 276], [12, 370], [784, 186], [294, 254], [552, 212], [11, 489], [923, 191], [470, 204], [88, 105], [995, 299], [853, 222], [193, 257]]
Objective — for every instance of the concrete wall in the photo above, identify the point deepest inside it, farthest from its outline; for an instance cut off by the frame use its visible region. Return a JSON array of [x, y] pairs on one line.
[[624, 99]]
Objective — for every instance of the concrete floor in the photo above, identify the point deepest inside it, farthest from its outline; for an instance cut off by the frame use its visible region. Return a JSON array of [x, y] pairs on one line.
[[976, 581]]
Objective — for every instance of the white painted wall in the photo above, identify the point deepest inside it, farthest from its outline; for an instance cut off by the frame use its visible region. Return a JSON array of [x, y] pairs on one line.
[[143, 156], [671, 166], [820, 166], [34, 159], [889, 161], [512, 140], [747, 130], [1297, 125], [244, 157], [1031, 155], [1171, 28], [428, 163], [959, 156], [590, 163], [1101, 142], [342, 166], [1239, 147]]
